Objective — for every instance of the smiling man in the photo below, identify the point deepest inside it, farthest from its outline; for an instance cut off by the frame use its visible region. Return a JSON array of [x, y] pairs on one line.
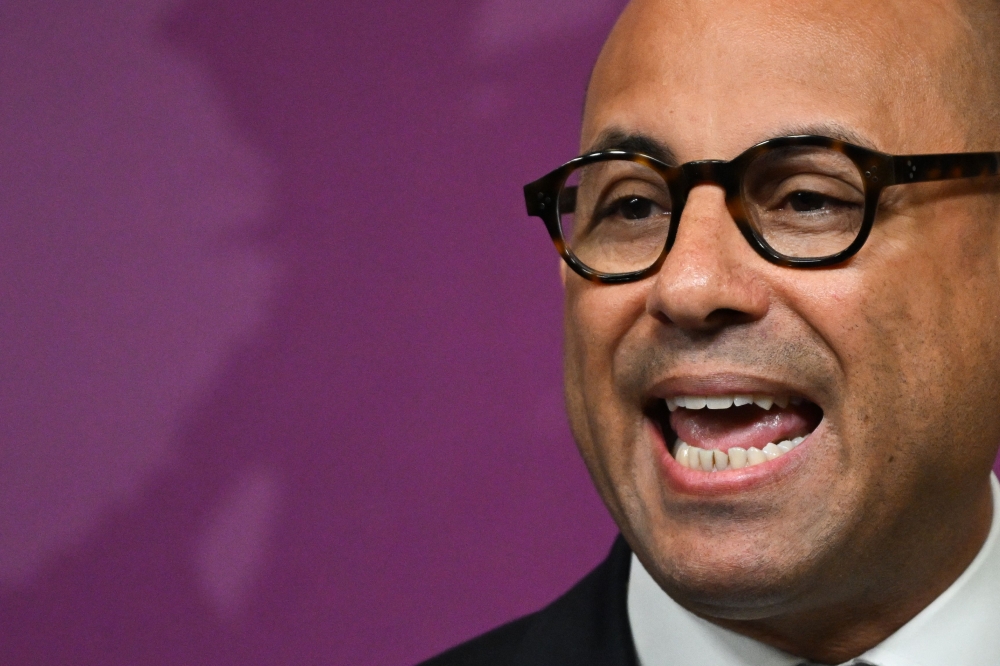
[[782, 274]]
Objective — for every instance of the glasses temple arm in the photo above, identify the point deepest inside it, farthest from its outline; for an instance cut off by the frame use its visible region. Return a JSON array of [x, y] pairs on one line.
[[538, 199], [948, 166]]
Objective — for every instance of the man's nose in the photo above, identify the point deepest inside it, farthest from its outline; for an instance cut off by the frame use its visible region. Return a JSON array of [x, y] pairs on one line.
[[709, 278]]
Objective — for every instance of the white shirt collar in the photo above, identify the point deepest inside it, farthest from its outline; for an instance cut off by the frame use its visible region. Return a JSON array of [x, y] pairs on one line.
[[959, 628]]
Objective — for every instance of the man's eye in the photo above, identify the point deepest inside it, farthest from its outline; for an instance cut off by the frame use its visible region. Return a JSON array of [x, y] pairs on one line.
[[809, 202], [630, 211], [636, 208]]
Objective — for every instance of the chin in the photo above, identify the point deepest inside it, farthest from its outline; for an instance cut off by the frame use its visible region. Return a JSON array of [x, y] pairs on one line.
[[729, 562], [729, 582]]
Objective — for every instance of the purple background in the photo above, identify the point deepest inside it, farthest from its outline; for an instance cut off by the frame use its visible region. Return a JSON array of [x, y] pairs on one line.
[[280, 379]]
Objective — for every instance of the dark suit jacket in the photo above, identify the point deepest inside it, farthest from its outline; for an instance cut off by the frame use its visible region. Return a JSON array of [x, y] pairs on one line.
[[587, 626]]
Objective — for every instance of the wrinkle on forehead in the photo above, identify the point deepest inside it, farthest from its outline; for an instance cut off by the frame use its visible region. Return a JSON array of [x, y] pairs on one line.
[[891, 54]]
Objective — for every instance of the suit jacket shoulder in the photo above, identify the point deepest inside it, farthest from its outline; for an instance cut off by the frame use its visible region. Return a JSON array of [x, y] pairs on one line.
[[587, 626]]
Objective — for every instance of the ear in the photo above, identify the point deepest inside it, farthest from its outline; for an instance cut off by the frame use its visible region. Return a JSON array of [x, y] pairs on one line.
[[563, 272]]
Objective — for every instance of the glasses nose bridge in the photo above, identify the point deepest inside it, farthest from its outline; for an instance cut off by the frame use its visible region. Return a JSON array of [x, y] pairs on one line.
[[722, 173], [708, 172]]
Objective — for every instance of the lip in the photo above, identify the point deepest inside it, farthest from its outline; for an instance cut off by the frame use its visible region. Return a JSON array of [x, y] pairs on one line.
[[726, 384], [687, 481]]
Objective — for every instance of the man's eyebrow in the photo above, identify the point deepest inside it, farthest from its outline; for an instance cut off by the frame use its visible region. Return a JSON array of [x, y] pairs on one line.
[[833, 130], [617, 139]]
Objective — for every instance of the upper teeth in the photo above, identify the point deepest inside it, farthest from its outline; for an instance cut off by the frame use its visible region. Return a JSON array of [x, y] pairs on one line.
[[727, 401], [735, 458]]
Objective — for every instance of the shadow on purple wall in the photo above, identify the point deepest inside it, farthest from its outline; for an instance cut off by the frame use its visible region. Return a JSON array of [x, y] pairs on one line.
[[282, 377]]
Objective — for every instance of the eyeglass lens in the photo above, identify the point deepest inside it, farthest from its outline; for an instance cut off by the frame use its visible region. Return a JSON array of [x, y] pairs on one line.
[[802, 201]]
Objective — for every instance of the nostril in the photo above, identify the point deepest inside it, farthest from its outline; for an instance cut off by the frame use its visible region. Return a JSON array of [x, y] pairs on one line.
[[728, 317], [715, 320]]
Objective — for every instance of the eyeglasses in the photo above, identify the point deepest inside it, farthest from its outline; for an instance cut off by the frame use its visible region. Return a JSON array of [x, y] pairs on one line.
[[802, 201]]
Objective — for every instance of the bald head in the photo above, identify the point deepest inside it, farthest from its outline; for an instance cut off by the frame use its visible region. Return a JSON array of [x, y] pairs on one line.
[[971, 78], [909, 49]]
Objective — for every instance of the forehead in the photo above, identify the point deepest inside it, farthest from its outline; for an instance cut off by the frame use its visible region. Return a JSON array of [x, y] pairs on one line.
[[711, 77]]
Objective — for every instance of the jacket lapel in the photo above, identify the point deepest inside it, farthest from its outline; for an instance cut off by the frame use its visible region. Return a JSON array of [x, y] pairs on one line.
[[587, 626]]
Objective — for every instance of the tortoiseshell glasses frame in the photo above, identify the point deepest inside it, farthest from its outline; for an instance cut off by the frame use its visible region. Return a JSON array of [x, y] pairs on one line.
[[550, 198]]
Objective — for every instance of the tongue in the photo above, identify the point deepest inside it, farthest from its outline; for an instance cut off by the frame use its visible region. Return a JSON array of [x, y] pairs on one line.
[[740, 426]]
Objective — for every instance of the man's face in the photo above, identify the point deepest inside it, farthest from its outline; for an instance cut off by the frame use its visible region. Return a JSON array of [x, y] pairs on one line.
[[888, 360]]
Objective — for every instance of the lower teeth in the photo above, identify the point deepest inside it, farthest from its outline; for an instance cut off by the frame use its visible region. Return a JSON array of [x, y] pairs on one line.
[[696, 458]]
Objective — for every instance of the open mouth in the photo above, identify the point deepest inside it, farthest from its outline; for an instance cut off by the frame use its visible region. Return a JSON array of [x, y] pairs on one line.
[[729, 432]]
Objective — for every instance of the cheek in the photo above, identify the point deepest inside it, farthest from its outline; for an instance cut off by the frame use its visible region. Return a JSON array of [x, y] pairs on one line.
[[912, 322], [598, 318], [603, 313]]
